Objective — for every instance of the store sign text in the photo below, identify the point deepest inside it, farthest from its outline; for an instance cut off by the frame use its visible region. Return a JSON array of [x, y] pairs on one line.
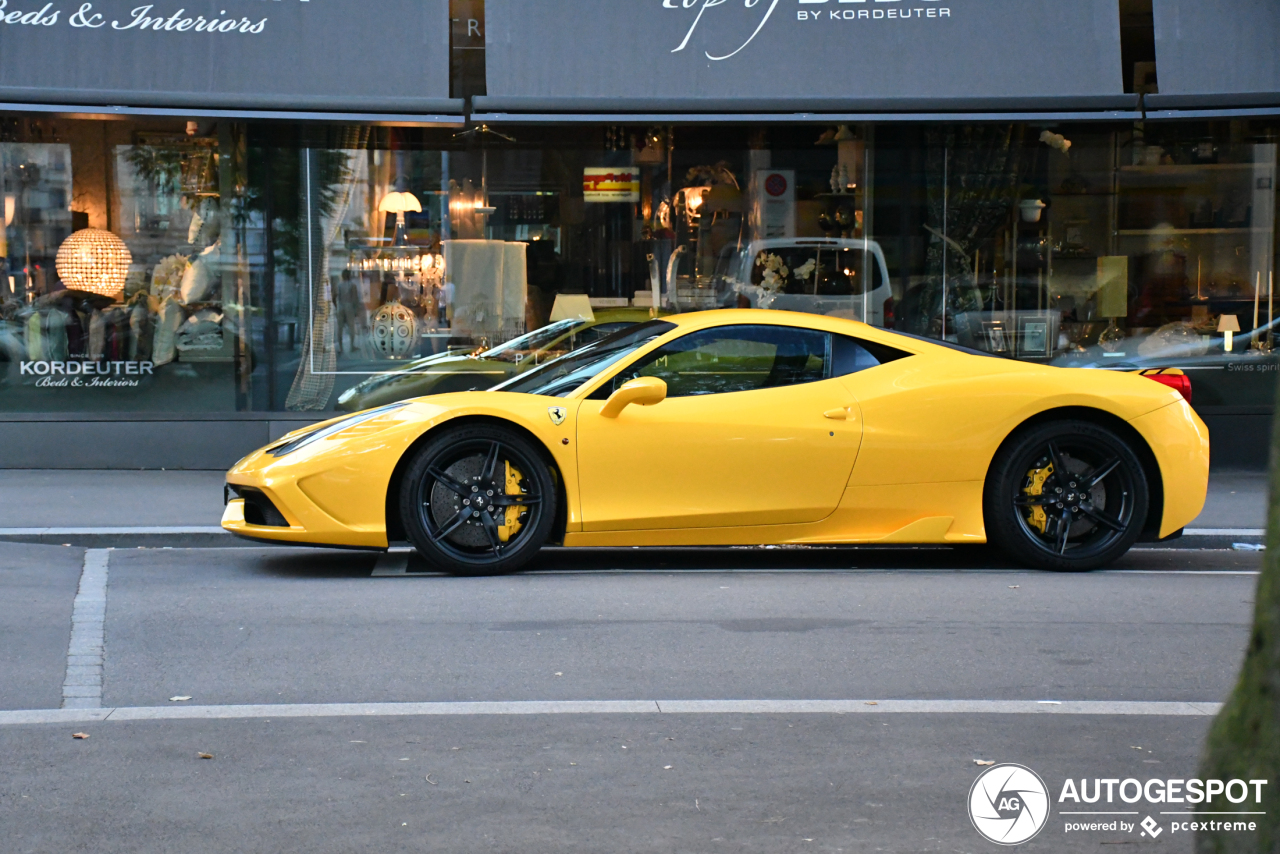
[[875, 14], [87, 374], [759, 7], [140, 18]]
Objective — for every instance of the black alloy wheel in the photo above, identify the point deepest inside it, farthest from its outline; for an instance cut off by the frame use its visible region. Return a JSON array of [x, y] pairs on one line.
[[478, 500], [1068, 496]]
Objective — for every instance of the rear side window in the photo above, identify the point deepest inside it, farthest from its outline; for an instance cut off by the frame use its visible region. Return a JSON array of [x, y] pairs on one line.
[[850, 355]]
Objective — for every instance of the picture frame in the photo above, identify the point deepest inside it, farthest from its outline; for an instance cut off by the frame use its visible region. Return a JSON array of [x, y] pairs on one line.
[[1037, 335]]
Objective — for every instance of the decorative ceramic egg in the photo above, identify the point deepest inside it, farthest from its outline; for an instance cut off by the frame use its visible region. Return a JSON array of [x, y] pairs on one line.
[[395, 331]]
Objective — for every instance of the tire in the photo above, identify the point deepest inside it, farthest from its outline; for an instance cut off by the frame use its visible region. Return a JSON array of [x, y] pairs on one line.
[[1105, 498], [459, 498]]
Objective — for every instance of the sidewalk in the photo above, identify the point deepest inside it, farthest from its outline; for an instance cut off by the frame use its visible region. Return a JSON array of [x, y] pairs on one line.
[[191, 502]]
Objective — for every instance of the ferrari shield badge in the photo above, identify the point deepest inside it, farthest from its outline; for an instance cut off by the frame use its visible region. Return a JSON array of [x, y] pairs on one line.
[[558, 414]]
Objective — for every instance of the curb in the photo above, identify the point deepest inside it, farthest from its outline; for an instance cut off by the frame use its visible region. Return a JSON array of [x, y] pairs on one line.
[[205, 537], [125, 537]]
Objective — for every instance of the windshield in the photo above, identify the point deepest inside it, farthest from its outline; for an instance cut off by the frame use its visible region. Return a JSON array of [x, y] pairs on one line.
[[566, 375], [518, 349]]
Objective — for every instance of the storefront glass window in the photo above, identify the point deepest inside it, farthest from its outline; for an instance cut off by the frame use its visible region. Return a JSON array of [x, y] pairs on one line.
[[212, 267], [127, 259]]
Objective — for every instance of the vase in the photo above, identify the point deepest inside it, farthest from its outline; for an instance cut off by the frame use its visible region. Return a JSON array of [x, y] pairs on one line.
[[395, 331]]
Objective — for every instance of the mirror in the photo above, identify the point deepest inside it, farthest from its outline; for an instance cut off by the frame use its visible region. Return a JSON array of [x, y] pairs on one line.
[[645, 391]]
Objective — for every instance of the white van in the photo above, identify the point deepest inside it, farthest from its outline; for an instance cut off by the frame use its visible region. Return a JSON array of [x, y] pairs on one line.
[[839, 277]]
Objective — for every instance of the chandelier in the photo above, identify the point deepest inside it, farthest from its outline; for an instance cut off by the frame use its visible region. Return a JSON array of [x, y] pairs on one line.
[[94, 260]]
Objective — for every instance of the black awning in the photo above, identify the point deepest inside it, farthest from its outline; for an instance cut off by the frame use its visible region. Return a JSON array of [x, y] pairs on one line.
[[1217, 54], [796, 105], [391, 56], [788, 56], [497, 109]]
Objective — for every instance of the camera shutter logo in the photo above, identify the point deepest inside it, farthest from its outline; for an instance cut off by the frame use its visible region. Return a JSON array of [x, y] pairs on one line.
[[1009, 804]]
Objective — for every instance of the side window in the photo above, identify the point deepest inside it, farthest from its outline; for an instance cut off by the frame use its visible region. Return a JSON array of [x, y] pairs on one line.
[[849, 355], [733, 358]]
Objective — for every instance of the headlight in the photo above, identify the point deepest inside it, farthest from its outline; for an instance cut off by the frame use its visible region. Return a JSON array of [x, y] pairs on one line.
[[336, 427]]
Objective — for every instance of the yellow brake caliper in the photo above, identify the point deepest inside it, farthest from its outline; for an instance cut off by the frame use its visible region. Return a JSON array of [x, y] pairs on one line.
[[512, 521], [1039, 519]]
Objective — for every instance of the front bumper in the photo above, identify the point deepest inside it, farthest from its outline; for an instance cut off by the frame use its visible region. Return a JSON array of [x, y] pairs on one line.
[[330, 493]]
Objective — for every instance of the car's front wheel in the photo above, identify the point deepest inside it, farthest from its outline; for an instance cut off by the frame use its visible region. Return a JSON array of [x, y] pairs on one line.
[[1066, 496], [478, 500]]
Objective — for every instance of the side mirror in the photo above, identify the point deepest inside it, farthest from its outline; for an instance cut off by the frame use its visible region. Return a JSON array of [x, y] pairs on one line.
[[645, 391]]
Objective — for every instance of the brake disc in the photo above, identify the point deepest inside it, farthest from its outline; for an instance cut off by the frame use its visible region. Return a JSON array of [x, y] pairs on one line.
[[447, 504]]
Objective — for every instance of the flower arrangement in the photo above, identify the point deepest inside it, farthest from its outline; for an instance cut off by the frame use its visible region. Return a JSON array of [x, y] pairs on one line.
[[805, 270], [775, 272]]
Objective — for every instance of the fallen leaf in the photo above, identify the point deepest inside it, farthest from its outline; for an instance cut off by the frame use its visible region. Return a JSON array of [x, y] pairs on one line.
[[178, 699], [80, 735], [983, 762], [205, 755], [466, 781], [871, 703], [1131, 747]]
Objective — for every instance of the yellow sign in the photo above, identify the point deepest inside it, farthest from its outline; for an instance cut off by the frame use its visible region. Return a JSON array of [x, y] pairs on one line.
[[611, 184]]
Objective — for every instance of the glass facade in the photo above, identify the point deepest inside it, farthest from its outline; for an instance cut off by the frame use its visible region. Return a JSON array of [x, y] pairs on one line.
[[172, 266]]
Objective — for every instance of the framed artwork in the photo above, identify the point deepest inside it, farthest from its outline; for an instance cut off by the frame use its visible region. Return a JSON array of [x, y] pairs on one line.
[[1037, 335]]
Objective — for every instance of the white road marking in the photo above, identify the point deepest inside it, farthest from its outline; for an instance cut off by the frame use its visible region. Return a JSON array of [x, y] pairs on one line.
[[72, 532], [1225, 532], [613, 707], [1176, 572], [82, 686]]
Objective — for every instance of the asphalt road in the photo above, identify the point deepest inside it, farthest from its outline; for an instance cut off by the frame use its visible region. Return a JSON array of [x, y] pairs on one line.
[[295, 629]]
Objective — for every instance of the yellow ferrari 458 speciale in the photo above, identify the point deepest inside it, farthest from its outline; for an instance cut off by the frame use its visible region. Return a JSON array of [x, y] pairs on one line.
[[745, 427]]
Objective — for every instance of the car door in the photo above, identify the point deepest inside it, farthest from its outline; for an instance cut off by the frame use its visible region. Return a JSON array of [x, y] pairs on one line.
[[757, 429]]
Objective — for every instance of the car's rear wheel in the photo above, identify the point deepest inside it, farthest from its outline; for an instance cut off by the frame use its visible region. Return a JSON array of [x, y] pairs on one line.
[[1067, 496], [478, 500]]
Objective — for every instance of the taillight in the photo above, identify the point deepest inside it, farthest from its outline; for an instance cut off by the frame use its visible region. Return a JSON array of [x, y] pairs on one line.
[[1181, 383], [888, 313]]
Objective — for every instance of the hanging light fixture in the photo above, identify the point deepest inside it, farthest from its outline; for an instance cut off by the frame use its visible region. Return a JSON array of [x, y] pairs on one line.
[[95, 261], [399, 202]]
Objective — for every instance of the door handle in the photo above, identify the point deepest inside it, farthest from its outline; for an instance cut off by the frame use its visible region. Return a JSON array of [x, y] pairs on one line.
[[837, 414]]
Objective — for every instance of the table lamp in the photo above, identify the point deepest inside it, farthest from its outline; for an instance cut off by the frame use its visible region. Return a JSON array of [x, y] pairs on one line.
[[95, 261], [1113, 298], [399, 202], [1228, 325]]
